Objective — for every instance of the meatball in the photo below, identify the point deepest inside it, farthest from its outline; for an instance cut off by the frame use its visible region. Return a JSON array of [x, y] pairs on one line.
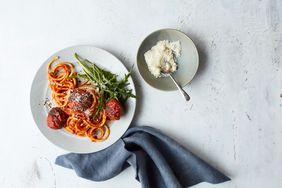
[[56, 118], [113, 109], [79, 100]]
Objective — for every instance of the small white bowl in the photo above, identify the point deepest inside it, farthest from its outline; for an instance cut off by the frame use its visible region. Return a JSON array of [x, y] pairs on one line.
[[188, 61]]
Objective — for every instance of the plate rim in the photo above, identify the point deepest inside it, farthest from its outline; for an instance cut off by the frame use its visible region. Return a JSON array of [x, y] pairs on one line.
[[197, 55], [33, 82]]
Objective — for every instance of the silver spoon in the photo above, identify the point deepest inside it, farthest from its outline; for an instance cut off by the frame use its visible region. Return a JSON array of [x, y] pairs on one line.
[[166, 73]]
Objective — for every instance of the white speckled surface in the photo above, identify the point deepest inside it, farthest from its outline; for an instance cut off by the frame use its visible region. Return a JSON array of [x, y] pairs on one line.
[[234, 119]]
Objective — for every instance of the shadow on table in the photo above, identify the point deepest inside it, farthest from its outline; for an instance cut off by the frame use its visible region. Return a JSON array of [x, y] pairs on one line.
[[203, 56]]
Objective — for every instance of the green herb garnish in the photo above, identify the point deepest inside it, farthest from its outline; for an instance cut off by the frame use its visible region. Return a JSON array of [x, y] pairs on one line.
[[107, 82]]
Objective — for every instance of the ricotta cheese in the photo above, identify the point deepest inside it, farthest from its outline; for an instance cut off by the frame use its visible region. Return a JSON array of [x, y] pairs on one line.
[[161, 58]]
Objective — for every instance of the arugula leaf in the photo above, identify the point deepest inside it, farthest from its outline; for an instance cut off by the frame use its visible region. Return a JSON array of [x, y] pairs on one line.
[[107, 82]]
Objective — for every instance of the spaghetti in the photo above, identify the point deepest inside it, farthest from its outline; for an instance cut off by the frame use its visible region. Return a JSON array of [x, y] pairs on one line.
[[78, 101]]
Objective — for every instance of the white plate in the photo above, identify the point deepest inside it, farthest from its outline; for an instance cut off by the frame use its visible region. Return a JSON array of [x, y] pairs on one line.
[[40, 91]]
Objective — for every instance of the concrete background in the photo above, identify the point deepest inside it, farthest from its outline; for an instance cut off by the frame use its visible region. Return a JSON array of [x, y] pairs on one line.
[[234, 118]]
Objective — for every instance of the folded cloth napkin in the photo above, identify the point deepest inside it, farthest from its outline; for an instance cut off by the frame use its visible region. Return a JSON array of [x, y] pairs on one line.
[[159, 161]]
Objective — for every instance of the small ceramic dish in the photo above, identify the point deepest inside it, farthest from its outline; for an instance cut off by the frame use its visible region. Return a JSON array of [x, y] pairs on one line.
[[188, 61]]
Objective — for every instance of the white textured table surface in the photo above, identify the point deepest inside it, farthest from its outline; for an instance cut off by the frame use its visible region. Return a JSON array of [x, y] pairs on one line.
[[234, 119]]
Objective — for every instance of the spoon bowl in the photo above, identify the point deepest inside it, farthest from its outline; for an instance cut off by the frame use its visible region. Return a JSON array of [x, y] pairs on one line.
[[167, 73]]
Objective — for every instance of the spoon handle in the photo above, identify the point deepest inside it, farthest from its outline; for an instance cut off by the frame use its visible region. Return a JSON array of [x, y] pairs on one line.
[[184, 94]]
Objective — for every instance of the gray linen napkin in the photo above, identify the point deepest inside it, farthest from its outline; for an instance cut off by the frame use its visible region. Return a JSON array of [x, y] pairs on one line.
[[159, 161]]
